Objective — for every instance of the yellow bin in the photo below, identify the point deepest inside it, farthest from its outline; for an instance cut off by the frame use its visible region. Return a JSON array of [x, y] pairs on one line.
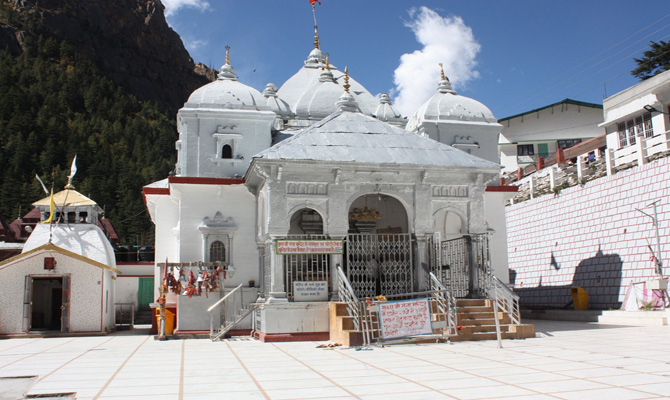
[[580, 298], [169, 321]]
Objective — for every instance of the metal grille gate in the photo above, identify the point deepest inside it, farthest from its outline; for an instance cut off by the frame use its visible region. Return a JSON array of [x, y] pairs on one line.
[[451, 261], [306, 267], [380, 263]]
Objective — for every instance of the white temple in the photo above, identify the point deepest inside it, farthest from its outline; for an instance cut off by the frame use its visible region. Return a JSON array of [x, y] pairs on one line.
[[262, 177]]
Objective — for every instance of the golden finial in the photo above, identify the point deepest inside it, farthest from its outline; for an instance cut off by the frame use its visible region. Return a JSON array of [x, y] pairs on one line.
[[444, 78], [316, 29], [228, 55], [346, 80], [328, 61]]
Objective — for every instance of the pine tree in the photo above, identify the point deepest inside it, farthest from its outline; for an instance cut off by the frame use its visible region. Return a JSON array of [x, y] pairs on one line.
[[655, 61]]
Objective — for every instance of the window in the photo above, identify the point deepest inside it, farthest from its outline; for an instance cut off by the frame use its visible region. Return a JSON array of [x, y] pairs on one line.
[[639, 126], [525, 150], [217, 251], [226, 151], [566, 144]]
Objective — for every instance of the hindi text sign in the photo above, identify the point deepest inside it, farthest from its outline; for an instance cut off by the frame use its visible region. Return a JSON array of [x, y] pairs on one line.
[[309, 246], [405, 318], [310, 290]]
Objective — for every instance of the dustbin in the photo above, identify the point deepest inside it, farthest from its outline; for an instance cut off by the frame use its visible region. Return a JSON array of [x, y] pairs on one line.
[[169, 321], [580, 298]]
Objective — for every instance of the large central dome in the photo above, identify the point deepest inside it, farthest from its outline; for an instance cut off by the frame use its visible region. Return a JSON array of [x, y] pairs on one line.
[[313, 91]]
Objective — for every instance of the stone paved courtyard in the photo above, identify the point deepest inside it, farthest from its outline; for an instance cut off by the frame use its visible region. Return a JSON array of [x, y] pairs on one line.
[[568, 360]]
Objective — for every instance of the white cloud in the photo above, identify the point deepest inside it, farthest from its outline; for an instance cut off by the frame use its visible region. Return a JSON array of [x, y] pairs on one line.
[[172, 6], [193, 45], [445, 40]]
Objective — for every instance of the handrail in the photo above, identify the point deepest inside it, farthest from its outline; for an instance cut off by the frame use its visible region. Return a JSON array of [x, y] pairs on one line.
[[217, 304], [224, 298], [347, 294], [506, 299], [446, 303]]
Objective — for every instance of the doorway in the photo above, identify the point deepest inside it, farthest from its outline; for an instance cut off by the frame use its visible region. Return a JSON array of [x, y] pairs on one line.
[[47, 304]]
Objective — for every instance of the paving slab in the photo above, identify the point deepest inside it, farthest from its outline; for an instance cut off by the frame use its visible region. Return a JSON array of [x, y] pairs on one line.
[[567, 360]]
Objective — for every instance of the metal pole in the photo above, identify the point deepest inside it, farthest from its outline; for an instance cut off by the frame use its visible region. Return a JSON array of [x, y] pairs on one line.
[[659, 265]]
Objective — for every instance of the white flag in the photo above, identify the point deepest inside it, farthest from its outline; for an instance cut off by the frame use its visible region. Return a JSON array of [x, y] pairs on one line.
[[42, 183], [73, 169]]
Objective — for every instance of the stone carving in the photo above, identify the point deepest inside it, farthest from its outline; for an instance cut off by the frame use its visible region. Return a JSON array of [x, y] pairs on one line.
[[307, 188], [450, 191]]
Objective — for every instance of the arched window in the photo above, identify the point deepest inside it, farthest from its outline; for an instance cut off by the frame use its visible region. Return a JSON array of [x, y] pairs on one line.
[[226, 151], [217, 251]]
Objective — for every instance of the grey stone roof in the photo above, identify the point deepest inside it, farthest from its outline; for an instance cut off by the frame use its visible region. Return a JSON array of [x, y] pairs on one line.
[[354, 137]]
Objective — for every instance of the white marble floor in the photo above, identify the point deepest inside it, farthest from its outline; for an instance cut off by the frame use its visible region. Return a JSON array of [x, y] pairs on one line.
[[568, 360]]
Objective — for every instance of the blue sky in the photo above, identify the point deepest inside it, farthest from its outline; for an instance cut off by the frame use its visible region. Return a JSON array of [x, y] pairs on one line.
[[513, 56]]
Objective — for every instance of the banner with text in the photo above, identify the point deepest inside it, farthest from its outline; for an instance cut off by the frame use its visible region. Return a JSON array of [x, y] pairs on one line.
[[309, 246], [405, 318]]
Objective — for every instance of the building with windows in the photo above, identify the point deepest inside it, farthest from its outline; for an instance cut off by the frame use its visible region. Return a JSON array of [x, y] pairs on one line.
[[538, 133], [636, 120]]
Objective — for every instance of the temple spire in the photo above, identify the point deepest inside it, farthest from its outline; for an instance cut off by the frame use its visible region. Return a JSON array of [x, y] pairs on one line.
[[227, 72], [316, 27]]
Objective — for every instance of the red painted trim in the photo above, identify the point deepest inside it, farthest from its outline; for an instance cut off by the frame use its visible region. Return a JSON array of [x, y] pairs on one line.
[[496, 188], [292, 337], [204, 181], [155, 190]]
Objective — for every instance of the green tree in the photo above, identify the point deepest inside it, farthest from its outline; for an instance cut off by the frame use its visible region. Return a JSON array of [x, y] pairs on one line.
[[655, 61]]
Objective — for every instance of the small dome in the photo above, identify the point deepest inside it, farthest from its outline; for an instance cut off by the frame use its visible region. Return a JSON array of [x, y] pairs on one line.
[[227, 92], [385, 110], [446, 105], [279, 106]]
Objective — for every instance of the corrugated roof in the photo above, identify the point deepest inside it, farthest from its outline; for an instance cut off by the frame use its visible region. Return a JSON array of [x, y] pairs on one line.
[[355, 137]]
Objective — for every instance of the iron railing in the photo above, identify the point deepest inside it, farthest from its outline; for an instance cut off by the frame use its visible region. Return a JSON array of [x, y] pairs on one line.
[[445, 304], [347, 295], [241, 310]]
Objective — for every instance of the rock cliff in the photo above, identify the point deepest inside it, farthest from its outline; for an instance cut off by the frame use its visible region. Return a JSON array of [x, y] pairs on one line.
[[129, 40]]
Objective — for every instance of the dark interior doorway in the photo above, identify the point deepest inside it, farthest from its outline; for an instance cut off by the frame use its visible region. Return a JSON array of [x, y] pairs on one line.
[[47, 303]]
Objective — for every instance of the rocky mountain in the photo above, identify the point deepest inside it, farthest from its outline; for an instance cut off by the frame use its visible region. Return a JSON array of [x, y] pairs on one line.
[[128, 40]]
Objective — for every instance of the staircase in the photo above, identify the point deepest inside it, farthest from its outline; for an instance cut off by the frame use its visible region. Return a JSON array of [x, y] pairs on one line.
[[233, 300], [475, 318], [476, 321]]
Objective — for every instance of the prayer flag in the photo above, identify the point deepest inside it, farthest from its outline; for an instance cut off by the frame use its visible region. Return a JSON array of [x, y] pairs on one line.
[[51, 209], [73, 169]]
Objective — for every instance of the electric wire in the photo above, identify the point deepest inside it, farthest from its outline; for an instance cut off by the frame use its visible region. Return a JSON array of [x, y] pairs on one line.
[[573, 72]]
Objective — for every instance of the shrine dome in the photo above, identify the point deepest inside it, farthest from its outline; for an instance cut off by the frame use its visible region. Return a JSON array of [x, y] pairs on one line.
[[226, 92], [447, 106], [312, 93]]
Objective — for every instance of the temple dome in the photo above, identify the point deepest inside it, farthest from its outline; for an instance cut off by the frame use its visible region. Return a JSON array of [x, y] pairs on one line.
[[446, 105], [312, 93], [226, 92]]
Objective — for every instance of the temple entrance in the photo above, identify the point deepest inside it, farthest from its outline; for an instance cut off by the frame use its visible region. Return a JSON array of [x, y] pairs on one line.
[[379, 249], [306, 224], [46, 305]]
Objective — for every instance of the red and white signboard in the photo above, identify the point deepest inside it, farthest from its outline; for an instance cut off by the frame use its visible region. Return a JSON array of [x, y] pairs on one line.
[[405, 318], [309, 246]]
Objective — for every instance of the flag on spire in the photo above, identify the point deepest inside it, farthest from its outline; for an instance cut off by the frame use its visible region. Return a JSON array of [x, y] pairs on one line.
[[314, 1], [42, 183], [51, 209]]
